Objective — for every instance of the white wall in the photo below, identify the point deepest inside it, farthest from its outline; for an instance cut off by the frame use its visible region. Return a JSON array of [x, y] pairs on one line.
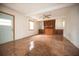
[[21, 23], [41, 25], [59, 24], [71, 31]]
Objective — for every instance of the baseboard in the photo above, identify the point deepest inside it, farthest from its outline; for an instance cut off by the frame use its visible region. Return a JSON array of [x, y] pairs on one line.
[[6, 42], [72, 42], [18, 39], [27, 37]]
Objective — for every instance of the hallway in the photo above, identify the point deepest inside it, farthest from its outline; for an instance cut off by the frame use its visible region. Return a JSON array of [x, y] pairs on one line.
[[40, 45]]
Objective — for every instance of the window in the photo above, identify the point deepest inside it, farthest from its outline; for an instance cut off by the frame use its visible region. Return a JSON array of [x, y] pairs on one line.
[[5, 22], [31, 23], [60, 24]]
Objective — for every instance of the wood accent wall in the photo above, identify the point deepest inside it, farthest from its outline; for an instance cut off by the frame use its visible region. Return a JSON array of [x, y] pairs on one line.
[[49, 26], [41, 31], [59, 31]]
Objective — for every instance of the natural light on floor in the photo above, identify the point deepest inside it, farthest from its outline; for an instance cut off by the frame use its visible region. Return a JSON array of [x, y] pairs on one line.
[[31, 45]]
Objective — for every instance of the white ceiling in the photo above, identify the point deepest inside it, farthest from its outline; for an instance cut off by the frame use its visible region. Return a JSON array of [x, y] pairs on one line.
[[35, 8]]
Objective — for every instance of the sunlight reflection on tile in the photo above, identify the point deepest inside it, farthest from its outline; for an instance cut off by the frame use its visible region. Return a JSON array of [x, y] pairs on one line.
[[31, 45]]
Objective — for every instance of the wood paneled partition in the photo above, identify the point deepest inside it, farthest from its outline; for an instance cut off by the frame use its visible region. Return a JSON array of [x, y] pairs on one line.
[[49, 27]]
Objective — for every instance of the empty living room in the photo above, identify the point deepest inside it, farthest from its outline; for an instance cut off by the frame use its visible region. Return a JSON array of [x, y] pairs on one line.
[[39, 29]]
